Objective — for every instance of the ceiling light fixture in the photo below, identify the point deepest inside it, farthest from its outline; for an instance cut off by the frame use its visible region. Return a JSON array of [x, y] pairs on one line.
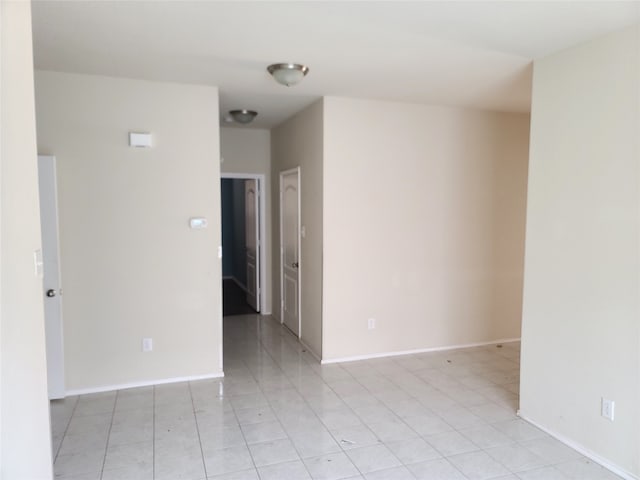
[[243, 116], [288, 73]]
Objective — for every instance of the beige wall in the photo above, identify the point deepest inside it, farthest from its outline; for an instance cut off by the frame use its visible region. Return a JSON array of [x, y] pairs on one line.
[[131, 266], [246, 150], [581, 328], [424, 213], [299, 142], [25, 437]]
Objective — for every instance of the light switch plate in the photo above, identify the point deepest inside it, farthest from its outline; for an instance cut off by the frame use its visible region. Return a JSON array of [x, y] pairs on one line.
[[139, 139], [198, 223]]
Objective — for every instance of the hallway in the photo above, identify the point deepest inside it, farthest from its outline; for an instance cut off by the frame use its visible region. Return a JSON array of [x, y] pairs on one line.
[[278, 414]]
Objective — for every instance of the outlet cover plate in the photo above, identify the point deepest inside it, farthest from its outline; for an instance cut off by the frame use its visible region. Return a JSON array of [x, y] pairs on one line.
[[147, 344], [608, 409]]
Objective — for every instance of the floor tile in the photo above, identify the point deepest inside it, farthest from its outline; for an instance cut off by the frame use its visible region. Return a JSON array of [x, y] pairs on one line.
[[189, 467], [519, 430], [396, 473], [330, 467], [251, 474], [181, 447], [451, 443], [355, 437], [84, 442], [545, 473], [342, 417], [255, 415], [478, 466], [277, 451], [135, 471], [263, 432], [315, 443], [551, 450], [375, 414], [392, 430], [124, 434], [460, 417], [439, 469], [493, 412], [218, 437], [428, 424], [486, 436], [516, 457], [413, 451], [290, 470], [130, 454], [584, 469], [79, 463], [374, 457], [228, 460]]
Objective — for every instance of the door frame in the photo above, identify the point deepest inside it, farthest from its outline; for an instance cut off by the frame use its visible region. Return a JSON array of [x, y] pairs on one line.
[[262, 236], [300, 265]]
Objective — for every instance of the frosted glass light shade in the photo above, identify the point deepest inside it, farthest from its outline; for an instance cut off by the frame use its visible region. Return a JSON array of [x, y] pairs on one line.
[[288, 73], [243, 116]]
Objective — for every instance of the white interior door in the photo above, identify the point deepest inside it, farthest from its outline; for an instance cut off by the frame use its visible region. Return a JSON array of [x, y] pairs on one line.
[[290, 248], [51, 279], [252, 242]]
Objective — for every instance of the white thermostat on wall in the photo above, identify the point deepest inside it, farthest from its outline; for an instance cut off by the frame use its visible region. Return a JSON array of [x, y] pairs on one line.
[[198, 222], [139, 139]]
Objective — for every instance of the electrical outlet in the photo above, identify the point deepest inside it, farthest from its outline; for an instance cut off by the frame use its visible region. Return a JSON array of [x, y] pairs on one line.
[[608, 408], [147, 344], [371, 323]]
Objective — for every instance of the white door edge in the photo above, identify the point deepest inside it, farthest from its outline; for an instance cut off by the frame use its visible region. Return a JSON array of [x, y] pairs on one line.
[[54, 329]]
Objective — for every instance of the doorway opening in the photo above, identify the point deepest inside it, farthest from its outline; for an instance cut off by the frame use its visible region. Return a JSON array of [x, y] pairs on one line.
[[243, 243]]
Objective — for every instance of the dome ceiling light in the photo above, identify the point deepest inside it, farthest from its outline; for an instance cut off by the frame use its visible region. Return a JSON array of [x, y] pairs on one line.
[[243, 116], [288, 74]]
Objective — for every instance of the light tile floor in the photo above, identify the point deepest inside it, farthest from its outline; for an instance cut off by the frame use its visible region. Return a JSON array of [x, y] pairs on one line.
[[278, 414]]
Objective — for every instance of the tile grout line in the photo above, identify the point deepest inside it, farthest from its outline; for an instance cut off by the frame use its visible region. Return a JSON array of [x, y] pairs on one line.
[[195, 418], [66, 429], [106, 447]]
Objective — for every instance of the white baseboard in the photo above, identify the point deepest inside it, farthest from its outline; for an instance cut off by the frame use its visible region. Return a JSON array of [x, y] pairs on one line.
[[123, 386], [621, 472], [420, 350]]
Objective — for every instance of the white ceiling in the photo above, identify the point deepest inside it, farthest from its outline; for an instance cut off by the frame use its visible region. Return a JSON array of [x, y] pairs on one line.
[[475, 54]]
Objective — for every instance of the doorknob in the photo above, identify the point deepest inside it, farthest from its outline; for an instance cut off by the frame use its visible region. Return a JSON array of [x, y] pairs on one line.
[[51, 292], [295, 264]]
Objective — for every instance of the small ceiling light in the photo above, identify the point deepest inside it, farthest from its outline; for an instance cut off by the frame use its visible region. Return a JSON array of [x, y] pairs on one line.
[[288, 73], [243, 116]]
